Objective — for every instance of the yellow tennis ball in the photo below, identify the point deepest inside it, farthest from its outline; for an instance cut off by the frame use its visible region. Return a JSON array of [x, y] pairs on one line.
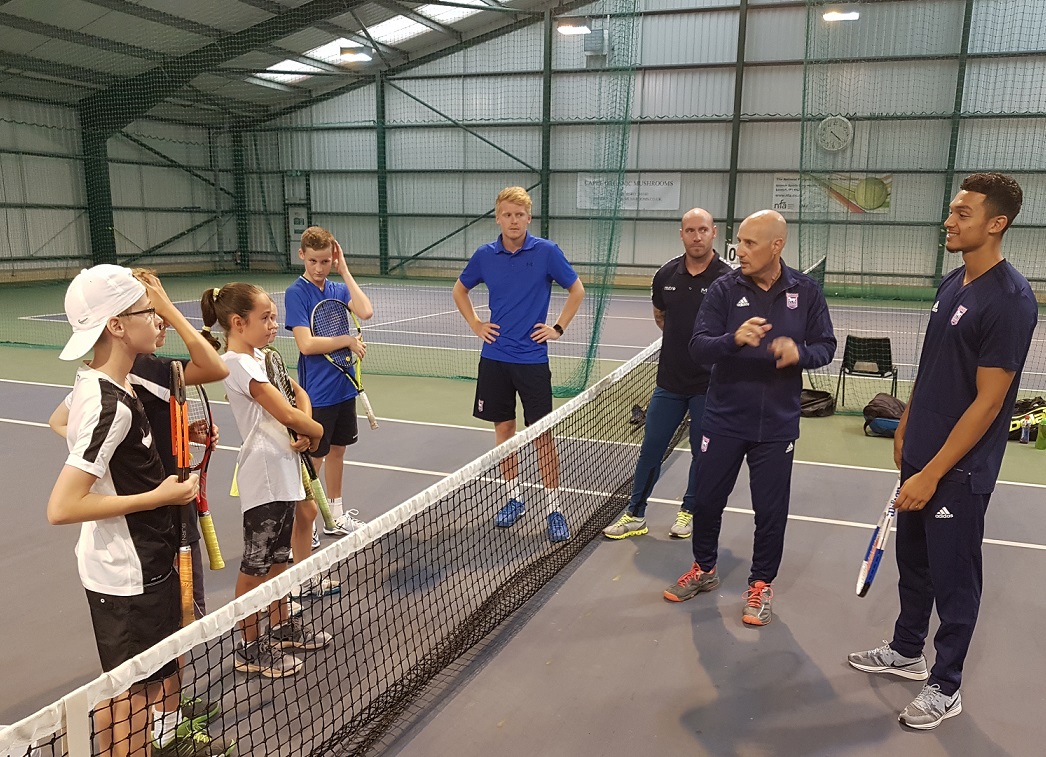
[[871, 193]]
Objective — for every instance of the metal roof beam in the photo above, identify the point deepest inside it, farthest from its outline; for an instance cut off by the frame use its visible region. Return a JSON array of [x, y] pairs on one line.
[[87, 40], [167, 19], [82, 77], [436, 26], [361, 36], [127, 100]]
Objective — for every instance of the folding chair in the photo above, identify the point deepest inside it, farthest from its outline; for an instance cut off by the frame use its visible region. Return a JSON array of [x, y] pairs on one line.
[[866, 356]]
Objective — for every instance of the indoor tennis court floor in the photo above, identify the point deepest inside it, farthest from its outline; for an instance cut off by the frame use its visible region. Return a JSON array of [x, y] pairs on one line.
[[599, 663]]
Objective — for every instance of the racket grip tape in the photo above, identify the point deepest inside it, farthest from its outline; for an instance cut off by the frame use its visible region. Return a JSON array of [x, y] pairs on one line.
[[322, 504], [314, 493], [186, 584], [371, 418], [210, 539]]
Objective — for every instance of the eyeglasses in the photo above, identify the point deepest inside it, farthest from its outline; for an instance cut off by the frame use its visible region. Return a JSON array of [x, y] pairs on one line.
[[147, 311]]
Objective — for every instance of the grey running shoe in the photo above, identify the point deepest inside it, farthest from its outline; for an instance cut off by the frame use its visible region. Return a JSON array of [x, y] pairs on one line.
[[345, 524], [758, 604], [692, 583], [260, 657], [684, 525], [294, 634], [316, 587], [884, 660], [931, 707], [627, 525]]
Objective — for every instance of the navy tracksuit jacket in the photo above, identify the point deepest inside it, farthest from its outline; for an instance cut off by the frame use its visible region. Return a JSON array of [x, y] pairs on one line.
[[752, 407]]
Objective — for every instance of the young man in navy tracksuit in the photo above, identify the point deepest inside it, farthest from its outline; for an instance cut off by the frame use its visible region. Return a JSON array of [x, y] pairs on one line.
[[949, 446], [760, 326]]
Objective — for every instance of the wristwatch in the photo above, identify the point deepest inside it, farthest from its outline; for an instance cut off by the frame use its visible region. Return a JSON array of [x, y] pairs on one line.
[[559, 329]]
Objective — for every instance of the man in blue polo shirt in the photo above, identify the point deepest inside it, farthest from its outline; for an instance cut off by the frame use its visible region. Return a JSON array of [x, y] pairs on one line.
[[949, 446], [677, 291], [519, 269], [759, 327]]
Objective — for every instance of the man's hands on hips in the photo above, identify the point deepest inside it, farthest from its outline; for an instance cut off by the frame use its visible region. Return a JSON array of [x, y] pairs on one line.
[[486, 331], [543, 332]]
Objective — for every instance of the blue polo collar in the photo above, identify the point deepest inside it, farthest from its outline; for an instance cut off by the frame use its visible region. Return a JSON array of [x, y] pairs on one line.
[[528, 243]]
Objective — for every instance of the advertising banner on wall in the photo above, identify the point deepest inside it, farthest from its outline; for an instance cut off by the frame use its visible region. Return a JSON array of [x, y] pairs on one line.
[[834, 193], [639, 191]]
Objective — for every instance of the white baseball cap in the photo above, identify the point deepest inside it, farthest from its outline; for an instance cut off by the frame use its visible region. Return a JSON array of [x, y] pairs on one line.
[[94, 296]]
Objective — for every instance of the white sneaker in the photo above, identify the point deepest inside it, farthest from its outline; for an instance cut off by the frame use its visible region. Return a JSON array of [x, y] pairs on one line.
[[345, 524], [315, 537]]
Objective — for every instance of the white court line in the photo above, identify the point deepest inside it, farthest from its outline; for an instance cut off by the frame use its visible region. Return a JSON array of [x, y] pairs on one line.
[[656, 500]]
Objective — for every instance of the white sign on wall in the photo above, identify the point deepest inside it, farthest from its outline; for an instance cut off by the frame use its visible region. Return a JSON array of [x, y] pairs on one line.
[[639, 191], [786, 194]]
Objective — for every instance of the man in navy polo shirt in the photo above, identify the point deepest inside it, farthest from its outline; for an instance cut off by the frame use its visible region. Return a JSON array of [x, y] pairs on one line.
[[949, 446], [677, 291], [518, 270], [759, 327]]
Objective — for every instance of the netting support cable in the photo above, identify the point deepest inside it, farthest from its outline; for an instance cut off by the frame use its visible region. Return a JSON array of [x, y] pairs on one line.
[[462, 126], [239, 178], [445, 237], [546, 127], [99, 194], [171, 161], [381, 155], [953, 142], [735, 127]]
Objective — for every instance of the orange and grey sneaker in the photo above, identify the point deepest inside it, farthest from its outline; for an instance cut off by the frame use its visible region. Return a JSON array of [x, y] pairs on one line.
[[692, 583], [758, 600]]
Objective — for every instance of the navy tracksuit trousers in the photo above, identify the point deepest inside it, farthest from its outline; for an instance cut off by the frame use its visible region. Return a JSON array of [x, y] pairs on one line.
[[939, 560], [770, 474]]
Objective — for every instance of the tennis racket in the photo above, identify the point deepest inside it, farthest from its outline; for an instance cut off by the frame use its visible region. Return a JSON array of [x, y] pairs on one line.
[[276, 371], [180, 450], [331, 318], [201, 444], [874, 554]]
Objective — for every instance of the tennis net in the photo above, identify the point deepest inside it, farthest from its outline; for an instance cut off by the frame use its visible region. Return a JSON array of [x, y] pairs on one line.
[[421, 587]]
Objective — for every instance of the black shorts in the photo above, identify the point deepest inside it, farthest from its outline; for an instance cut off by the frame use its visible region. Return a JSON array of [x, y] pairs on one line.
[[126, 626], [266, 537], [339, 426], [498, 383]]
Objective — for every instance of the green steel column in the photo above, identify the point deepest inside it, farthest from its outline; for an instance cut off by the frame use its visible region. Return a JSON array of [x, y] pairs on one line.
[[99, 195], [735, 133], [546, 128], [239, 202], [953, 142], [383, 179]]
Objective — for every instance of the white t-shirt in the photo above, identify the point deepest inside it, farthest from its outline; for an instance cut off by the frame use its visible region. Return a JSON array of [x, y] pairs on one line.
[[109, 438], [268, 469]]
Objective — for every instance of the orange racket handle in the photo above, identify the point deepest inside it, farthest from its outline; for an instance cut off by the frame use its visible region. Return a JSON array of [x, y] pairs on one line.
[[185, 581]]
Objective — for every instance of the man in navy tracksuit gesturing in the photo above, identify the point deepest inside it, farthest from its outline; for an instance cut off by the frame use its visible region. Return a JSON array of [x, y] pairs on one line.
[[949, 446], [759, 327]]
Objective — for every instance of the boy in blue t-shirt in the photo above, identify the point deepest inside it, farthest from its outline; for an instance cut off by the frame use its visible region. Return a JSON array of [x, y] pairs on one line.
[[518, 270], [333, 395]]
